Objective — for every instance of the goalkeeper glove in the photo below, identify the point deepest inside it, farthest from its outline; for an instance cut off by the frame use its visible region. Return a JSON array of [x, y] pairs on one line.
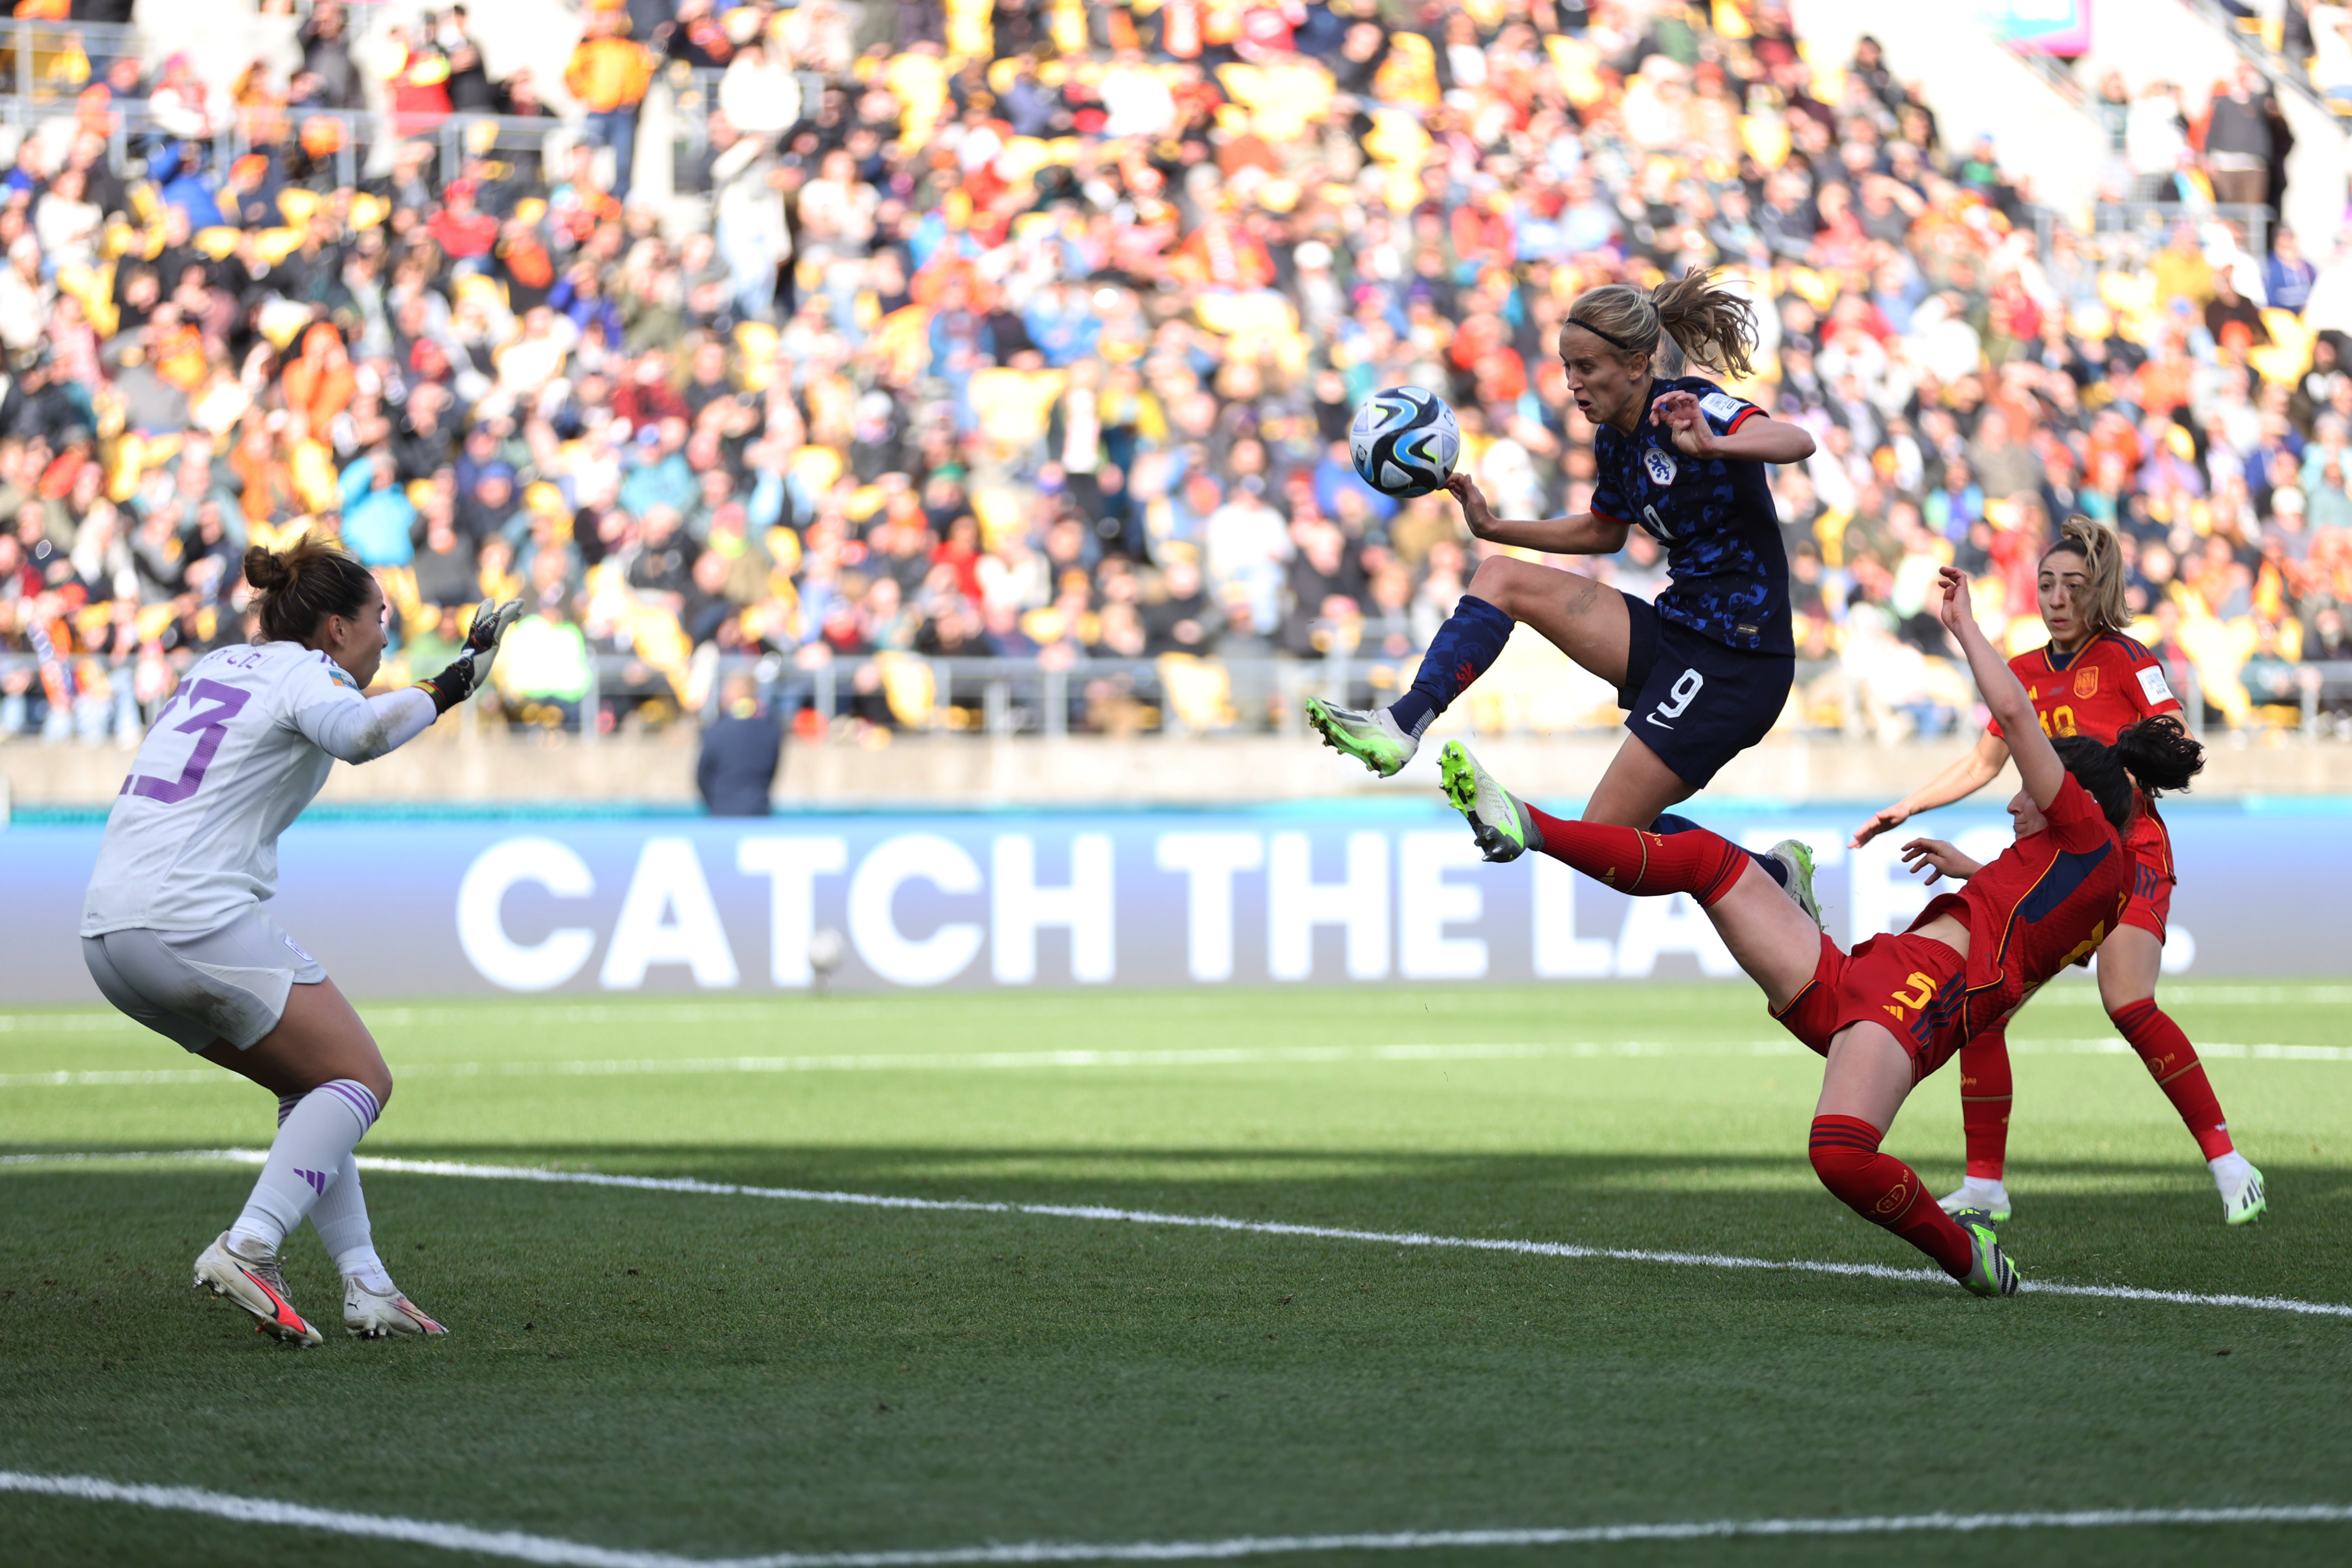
[[471, 670]]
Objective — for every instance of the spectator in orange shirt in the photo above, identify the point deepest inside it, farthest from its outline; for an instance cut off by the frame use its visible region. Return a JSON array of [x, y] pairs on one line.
[[2163, 383], [266, 482], [1223, 253], [609, 74], [319, 382]]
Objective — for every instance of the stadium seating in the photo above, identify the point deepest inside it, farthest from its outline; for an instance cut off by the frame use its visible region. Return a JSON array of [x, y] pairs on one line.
[[913, 399]]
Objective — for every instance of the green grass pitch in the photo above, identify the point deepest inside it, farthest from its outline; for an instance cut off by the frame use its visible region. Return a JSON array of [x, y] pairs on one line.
[[719, 1376]]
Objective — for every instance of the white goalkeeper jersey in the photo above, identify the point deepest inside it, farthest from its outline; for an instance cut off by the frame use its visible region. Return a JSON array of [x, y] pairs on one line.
[[243, 746]]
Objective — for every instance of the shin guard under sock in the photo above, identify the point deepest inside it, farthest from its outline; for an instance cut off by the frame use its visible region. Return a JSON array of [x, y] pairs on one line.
[[1985, 1088], [1704, 865], [315, 1137], [1887, 1192], [1471, 640], [2172, 1062], [1668, 823], [339, 1216], [340, 1219]]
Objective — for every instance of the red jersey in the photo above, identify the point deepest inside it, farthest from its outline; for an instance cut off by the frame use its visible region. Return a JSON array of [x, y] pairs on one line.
[[2046, 902], [2098, 689], [2109, 683]]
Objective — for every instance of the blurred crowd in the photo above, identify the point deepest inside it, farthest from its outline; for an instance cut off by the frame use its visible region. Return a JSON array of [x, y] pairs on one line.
[[1034, 332]]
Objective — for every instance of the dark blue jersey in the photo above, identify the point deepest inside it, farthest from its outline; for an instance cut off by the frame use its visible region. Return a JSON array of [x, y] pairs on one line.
[[1714, 515]]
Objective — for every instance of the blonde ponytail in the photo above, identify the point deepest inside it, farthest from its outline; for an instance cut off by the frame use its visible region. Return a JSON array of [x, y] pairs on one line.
[[1707, 322]]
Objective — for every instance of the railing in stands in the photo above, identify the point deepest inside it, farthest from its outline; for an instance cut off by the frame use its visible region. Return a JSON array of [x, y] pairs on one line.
[[134, 133], [2255, 39], [47, 61], [2148, 224], [1042, 697]]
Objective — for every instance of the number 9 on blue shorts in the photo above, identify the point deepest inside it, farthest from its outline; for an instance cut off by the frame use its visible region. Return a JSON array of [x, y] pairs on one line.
[[1693, 701]]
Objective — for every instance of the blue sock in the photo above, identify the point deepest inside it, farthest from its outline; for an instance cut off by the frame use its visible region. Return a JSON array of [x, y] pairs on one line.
[[1470, 640], [1668, 823]]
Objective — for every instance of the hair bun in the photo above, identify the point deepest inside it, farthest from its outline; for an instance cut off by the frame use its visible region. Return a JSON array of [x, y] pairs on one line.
[[300, 586], [266, 569], [2160, 752]]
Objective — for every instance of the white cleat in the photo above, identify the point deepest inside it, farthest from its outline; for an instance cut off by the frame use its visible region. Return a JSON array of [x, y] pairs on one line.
[[2243, 1201], [384, 1314], [1498, 820], [1797, 860], [257, 1285], [1367, 734], [1990, 1197]]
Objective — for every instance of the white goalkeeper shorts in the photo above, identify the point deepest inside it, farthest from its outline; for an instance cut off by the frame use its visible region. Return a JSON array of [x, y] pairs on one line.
[[228, 983]]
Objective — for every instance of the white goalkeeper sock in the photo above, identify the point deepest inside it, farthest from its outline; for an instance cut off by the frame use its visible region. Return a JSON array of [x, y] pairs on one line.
[[340, 1219], [315, 1140]]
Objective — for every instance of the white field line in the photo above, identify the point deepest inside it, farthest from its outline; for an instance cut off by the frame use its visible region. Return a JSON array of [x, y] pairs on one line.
[[970, 1061], [518, 1546], [1048, 1061], [2073, 993], [1218, 1222]]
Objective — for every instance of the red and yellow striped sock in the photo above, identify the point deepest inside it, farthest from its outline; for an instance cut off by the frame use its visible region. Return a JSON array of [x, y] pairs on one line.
[[1704, 865]]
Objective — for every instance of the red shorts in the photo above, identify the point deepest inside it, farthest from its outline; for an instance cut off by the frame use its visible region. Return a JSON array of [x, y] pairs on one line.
[[1911, 984], [2151, 898]]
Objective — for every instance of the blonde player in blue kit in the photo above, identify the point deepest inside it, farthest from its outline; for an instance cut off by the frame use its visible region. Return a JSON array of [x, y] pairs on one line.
[[175, 932]]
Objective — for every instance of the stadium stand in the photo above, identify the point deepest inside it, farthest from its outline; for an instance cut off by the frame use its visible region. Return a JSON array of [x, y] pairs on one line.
[[988, 368]]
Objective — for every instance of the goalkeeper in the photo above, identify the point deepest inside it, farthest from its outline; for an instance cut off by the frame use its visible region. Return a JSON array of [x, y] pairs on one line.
[[176, 929]]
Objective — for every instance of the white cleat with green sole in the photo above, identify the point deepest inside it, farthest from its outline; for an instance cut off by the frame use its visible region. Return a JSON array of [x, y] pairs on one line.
[[2243, 1201], [1497, 820], [1367, 734]]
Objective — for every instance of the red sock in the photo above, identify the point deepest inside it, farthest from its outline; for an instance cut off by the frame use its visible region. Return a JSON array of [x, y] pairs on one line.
[[2172, 1061], [1884, 1191], [1706, 865], [1984, 1101]]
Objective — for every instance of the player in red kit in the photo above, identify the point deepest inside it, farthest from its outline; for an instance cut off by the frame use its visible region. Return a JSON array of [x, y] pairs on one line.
[[1900, 1005], [2090, 680]]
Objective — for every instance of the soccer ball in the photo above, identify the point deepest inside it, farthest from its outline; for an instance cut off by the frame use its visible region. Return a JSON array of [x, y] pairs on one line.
[[1404, 441]]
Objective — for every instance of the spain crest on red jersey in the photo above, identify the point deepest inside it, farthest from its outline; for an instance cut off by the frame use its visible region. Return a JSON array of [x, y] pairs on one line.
[[2086, 681]]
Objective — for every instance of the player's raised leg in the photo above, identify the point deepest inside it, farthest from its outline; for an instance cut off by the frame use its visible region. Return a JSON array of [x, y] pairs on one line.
[[1774, 941], [2129, 962], [1586, 620]]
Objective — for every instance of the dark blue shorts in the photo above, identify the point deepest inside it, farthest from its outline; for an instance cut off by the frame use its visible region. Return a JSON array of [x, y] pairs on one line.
[[1695, 702]]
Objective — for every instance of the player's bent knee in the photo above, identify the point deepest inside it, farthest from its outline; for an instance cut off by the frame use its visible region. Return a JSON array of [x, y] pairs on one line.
[[1839, 1166], [1501, 581]]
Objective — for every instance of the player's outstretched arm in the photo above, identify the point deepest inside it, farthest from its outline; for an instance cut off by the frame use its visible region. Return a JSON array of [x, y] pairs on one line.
[[2004, 694], [1579, 533], [1938, 858], [1758, 440], [1964, 777], [362, 731]]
